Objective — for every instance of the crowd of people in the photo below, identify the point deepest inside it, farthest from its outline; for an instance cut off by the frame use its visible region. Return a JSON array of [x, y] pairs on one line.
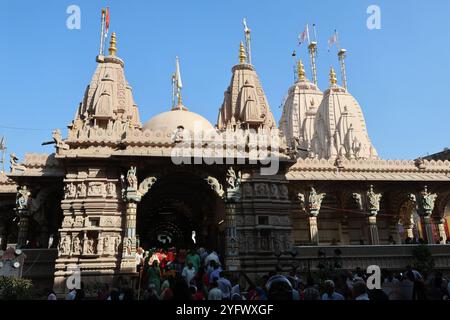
[[191, 274]]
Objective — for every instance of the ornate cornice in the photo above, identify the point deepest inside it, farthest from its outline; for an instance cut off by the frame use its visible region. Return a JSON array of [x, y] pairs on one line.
[[370, 169]]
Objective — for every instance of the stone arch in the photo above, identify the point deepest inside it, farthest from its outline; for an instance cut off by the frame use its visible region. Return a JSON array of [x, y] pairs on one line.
[[170, 208]]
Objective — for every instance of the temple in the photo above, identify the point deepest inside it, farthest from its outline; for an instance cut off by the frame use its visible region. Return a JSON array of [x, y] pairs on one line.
[[262, 195]]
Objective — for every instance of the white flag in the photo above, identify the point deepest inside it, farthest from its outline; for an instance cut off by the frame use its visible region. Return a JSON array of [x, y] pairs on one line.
[[178, 76], [304, 36], [333, 40]]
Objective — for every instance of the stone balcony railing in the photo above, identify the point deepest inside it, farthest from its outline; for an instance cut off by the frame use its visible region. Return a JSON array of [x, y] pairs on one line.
[[394, 257]]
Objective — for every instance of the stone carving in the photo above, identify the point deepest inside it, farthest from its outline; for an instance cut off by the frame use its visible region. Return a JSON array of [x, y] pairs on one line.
[[23, 198], [146, 185], [67, 222], [312, 201], [58, 141], [82, 190], [15, 166], [111, 189], [216, 186], [358, 199], [100, 246], [248, 190], [370, 201], [132, 179], [76, 246], [284, 192], [64, 246], [374, 200], [274, 193], [70, 191], [262, 190], [426, 202], [127, 246], [88, 246], [178, 135], [79, 222], [108, 245], [97, 189], [234, 184], [232, 179]]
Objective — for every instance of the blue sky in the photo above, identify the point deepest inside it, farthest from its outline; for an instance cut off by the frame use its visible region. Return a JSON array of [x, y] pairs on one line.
[[399, 74]]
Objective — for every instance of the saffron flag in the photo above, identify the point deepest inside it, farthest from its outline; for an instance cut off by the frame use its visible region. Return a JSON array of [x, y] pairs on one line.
[[304, 35], [106, 22]]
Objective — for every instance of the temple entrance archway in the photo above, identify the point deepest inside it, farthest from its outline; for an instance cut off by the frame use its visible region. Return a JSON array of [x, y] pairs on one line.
[[181, 210]]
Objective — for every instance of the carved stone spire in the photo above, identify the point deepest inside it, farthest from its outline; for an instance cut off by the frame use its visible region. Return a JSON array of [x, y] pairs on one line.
[[245, 104]]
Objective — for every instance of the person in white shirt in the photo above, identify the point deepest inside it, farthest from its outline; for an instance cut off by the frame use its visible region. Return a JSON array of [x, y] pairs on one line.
[[139, 258], [188, 273], [330, 293], [215, 293], [213, 256]]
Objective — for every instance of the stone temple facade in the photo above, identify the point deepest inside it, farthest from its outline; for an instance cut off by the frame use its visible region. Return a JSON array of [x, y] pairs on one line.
[[115, 183]]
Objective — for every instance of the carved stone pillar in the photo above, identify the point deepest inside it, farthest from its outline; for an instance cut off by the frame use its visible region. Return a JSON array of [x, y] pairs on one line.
[[311, 203], [128, 264], [369, 203], [132, 196], [428, 224], [22, 236], [426, 202], [233, 197], [313, 230], [373, 230], [23, 200]]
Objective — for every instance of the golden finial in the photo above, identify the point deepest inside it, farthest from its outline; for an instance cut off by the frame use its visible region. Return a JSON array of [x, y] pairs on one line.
[[242, 55], [112, 45], [333, 80], [301, 71], [180, 99]]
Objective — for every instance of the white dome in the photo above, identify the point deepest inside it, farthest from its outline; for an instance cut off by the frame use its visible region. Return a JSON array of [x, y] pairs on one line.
[[169, 121]]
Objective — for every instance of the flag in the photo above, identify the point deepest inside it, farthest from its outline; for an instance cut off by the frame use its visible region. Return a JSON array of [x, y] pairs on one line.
[[178, 75], [246, 29], [106, 22], [304, 36], [333, 40]]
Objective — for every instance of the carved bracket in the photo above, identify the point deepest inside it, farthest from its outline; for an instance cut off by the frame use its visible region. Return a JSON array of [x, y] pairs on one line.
[[311, 202]]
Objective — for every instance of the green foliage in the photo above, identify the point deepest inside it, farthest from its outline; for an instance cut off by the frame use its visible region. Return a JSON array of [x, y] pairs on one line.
[[12, 288], [423, 259]]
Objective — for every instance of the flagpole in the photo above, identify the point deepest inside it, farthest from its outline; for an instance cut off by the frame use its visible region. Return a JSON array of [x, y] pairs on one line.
[[247, 33], [312, 56], [173, 91], [341, 56], [294, 54], [102, 32]]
